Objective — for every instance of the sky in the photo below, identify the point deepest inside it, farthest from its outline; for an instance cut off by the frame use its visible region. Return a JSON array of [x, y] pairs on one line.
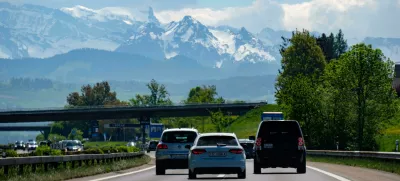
[[357, 18]]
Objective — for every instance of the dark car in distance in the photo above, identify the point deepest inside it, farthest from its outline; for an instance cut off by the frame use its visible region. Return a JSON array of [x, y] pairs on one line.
[[279, 144], [247, 145], [152, 146]]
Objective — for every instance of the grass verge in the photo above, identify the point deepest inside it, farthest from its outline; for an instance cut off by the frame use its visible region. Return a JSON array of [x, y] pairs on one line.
[[392, 166], [83, 171]]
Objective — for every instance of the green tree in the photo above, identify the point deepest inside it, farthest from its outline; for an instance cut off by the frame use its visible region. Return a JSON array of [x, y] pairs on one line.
[[56, 137], [365, 77], [77, 136], [298, 87], [98, 95], [158, 95], [204, 94], [340, 45]]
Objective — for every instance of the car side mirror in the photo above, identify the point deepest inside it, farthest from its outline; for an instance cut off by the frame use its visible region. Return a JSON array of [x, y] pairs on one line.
[[252, 138], [187, 146]]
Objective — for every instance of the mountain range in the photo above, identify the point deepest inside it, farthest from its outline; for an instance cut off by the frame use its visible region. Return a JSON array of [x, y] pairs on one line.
[[79, 44]]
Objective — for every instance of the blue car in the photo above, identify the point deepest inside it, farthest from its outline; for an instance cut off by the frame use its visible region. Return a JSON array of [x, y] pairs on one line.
[[217, 153]]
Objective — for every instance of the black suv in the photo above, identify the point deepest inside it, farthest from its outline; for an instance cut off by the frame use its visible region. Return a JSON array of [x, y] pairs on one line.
[[279, 144]]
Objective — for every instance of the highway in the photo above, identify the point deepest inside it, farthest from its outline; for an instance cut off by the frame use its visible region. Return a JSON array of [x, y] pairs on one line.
[[315, 172]]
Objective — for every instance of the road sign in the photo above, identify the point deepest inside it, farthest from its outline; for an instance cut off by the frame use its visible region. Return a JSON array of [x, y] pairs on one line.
[[119, 125], [156, 130], [144, 120], [73, 132]]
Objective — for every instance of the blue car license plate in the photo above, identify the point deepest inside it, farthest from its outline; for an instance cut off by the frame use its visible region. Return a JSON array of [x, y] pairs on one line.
[[217, 154]]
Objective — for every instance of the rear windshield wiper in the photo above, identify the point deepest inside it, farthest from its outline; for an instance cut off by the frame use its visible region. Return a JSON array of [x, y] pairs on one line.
[[220, 144]]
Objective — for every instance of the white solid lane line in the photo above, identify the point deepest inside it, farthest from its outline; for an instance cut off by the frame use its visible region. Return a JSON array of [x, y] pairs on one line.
[[329, 174], [124, 174]]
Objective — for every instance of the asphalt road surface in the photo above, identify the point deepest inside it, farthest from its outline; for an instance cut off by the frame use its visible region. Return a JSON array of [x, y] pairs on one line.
[[315, 172]]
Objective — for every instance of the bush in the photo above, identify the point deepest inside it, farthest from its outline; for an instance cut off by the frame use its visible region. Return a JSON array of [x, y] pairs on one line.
[[56, 152], [11, 153], [93, 151], [105, 149], [42, 151]]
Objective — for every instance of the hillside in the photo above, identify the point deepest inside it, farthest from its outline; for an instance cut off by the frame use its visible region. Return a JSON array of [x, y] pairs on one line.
[[246, 125]]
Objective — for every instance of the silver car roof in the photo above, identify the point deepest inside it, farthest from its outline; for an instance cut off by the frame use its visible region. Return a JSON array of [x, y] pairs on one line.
[[181, 129]]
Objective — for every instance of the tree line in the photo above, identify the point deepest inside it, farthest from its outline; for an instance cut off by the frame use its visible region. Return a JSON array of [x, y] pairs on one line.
[[339, 95], [100, 94]]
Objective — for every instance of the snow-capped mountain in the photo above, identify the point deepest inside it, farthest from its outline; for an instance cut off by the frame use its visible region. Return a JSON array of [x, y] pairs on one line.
[[41, 32], [190, 38]]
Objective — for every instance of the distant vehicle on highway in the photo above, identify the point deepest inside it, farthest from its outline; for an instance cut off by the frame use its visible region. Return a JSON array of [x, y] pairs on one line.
[[173, 149], [279, 144], [73, 145], [247, 145], [217, 153], [271, 116], [31, 145], [19, 145], [152, 146], [131, 144]]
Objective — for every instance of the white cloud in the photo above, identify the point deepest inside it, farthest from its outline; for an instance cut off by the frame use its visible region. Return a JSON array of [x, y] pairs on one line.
[[262, 13], [357, 18]]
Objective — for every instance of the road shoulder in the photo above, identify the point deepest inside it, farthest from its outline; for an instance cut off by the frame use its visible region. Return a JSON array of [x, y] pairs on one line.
[[150, 164], [355, 173]]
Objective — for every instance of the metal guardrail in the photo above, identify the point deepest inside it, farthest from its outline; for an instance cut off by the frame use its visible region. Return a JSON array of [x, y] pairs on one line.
[[56, 160], [356, 154]]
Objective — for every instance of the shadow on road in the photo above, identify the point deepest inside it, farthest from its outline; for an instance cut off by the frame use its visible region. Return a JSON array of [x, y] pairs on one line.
[[272, 173], [214, 178]]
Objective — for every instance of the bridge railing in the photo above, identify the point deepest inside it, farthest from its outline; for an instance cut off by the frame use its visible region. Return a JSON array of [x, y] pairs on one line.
[[356, 154], [56, 161], [128, 106]]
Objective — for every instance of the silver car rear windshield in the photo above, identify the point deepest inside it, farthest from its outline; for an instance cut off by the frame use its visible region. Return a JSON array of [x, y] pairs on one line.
[[179, 137], [217, 140]]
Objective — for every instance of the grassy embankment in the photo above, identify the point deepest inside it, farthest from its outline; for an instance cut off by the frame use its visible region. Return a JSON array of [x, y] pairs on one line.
[[62, 173]]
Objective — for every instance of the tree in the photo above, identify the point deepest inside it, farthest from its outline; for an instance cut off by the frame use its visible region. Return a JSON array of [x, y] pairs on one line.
[[365, 76], [340, 45], [77, 136], [98, 95], [204, 94], [298, 87], [158, 95]]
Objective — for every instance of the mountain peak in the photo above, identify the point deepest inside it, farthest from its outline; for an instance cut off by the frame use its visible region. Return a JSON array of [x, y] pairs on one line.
[[189, 19], [151, 17]]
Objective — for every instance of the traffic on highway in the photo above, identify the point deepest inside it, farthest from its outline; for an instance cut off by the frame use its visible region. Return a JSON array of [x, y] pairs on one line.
[[279, 144]]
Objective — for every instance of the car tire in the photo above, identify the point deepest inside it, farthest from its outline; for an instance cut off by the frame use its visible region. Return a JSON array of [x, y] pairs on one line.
[[160, 170], [192, 175], [256, 167], [242, 175], [301, 168], [148, 151]]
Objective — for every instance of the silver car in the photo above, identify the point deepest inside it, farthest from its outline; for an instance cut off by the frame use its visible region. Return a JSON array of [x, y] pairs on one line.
[[173, 149], [217, 153]]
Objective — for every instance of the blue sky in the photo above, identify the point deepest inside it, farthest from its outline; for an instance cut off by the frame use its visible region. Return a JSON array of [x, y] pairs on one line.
[[357, 18]]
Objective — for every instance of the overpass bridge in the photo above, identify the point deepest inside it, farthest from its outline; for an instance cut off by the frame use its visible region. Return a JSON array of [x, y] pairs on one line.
[[143, 113], [123, 112], [25, 128]]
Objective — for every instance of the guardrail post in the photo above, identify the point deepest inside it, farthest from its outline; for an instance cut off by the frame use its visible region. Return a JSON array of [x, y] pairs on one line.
[[65, 164], [33, 168], [46, 167], [21, 170], [80, 163], [6, 170], [73, 164]]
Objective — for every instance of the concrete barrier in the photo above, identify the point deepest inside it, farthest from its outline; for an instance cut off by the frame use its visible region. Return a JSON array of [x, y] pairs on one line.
[[55, 160], [356, 154]]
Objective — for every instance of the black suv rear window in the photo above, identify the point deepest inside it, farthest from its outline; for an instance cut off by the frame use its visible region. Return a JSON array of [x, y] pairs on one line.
[[214, 140], [271, 130], [179, 137], [247, 145]]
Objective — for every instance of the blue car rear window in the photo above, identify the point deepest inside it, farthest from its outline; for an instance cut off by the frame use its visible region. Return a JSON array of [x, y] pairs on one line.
[[215, 140]]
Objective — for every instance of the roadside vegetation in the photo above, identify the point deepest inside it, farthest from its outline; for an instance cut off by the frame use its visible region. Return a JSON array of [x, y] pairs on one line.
[[392, 166], [61, 173]]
